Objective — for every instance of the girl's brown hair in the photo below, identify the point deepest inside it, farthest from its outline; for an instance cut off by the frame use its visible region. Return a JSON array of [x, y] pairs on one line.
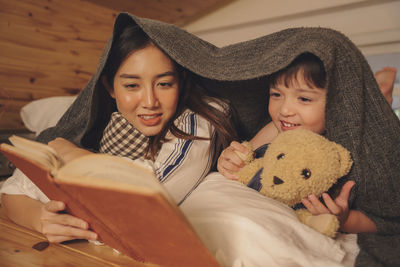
[[310, 66]]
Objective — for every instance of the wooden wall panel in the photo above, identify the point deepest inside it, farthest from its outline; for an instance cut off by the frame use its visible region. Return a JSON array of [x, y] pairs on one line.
[[178, 12], [47, 48]]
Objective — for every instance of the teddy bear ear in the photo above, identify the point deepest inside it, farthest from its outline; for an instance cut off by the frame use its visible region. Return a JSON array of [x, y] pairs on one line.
[[345, 159]]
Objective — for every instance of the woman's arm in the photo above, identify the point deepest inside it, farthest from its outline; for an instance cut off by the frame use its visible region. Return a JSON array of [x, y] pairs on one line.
[[25, 204], [45, 218], [22, 210], [67, 150]]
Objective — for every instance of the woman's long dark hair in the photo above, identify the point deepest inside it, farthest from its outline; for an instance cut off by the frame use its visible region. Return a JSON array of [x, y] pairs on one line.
[[191, 96]]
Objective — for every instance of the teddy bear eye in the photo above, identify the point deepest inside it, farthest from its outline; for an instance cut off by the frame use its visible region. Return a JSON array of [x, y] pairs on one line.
[[281, 156], [306, 173]]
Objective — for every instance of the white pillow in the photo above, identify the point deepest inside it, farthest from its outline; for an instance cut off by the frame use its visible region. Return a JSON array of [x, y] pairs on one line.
[[44, 113], [241, 227]]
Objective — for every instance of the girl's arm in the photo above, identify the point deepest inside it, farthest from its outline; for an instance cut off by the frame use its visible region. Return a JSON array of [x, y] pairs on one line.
[[351, 221], [358, 222], [264, 136]]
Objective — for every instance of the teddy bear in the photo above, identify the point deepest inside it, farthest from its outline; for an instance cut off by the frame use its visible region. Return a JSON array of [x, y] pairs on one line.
[[296, 164]]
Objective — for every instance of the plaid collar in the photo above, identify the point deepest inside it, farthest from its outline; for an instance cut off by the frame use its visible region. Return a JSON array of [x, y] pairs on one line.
[[121, 139]]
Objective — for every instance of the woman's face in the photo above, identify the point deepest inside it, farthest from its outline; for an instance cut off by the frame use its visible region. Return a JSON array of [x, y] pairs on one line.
[[146, 89], [298, 106]]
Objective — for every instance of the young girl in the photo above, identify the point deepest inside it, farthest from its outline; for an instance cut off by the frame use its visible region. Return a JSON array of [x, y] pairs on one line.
[[297, 100], [306, 71], [140, 105], [328, 87]]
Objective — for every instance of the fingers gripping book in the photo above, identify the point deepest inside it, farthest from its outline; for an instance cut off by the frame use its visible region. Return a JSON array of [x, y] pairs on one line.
[[123, 202]]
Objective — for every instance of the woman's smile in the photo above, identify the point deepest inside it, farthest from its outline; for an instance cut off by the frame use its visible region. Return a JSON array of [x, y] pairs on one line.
[[150, 119]]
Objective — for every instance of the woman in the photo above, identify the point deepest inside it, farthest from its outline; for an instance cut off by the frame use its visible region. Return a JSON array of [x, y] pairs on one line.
[[141, 105]]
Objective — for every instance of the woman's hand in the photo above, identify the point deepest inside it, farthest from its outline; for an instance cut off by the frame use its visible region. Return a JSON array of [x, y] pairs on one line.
[[67, 150], [45, 218], [338, 207], [229, 162], [59, 227]]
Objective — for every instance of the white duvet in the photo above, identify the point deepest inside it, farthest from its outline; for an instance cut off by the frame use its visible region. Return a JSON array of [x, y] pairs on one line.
[[243, 228]]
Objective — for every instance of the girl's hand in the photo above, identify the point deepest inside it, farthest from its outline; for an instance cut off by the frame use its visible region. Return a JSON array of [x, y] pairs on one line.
[[67, 150], [338, 207], [229, 161], [62, 227]]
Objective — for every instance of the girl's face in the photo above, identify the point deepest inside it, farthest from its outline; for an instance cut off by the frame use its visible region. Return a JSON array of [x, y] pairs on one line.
[[297, 106], [146, 89]]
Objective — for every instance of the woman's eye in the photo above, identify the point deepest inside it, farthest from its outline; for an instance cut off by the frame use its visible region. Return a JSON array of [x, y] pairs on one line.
[[305, 99], [281, 156], [131, 86], [165, 84]]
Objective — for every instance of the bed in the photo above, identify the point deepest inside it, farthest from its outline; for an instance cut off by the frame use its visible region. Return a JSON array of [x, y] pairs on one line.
[[238, 225]]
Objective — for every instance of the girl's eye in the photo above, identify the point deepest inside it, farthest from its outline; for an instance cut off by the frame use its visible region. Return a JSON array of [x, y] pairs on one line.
[[273, 94]]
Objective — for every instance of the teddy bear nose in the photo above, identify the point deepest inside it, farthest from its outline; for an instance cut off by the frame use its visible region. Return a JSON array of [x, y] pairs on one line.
[[277, 180]]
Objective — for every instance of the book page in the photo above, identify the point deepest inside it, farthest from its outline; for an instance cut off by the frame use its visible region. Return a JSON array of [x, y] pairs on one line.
[[101, 170], [35, 151]]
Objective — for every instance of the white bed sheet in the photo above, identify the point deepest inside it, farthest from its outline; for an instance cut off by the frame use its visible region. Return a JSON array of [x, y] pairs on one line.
[[243, 228]]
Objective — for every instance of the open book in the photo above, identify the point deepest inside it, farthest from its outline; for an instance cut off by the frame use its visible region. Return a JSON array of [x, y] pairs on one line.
[[123, 202]]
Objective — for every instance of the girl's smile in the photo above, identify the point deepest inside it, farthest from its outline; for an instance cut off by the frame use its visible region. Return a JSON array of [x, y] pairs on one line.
[[288, 126]]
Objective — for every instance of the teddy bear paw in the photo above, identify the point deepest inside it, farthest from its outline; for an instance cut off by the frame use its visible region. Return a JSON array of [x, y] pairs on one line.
[[326, 224]]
